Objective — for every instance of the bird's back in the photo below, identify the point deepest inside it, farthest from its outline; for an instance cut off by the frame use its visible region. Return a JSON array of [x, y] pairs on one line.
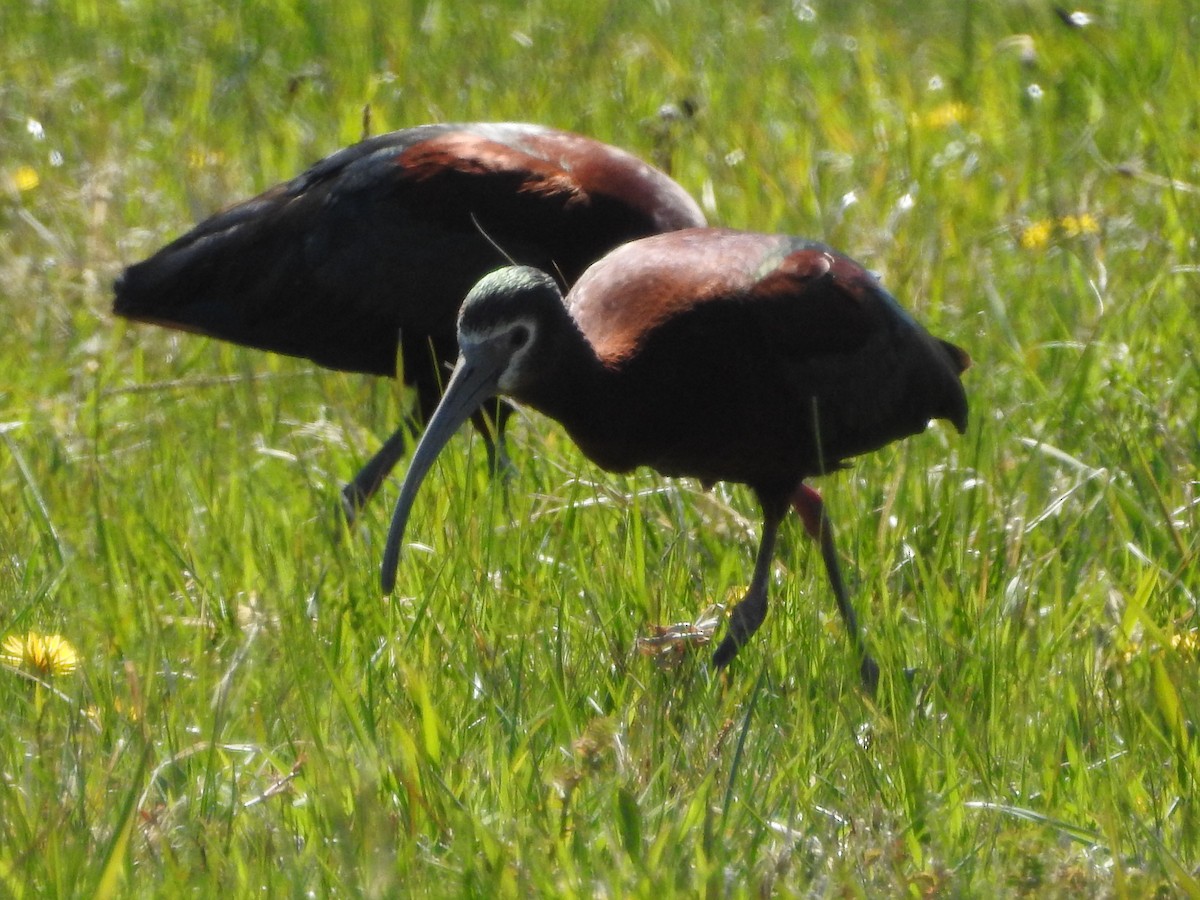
[[391, 233], [756, 358]]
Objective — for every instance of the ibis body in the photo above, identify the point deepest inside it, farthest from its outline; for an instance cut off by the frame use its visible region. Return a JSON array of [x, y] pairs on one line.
[[722, 355], [373, 249]]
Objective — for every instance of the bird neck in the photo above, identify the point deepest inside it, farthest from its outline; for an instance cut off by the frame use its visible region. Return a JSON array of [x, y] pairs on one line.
[[575, 388]]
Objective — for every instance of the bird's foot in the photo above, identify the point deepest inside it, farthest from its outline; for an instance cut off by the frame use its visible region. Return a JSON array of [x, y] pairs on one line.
[[353, 500], [869, 671], [500, 464], [746, 619], [370, 477]]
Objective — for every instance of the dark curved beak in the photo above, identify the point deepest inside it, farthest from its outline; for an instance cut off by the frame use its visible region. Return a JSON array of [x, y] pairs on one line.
[[474, 379]]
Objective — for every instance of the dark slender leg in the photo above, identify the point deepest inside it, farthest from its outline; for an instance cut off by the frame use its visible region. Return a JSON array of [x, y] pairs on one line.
[[748, 615], [426, 361], [371, 476], [364, 485], [811, 507], [426, 378], [489, 422]]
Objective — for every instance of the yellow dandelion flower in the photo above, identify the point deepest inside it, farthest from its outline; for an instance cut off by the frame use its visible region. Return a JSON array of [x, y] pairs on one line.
[[204, 159], [25, 178], [1074, 226], [947, 114], [45, 655], [1036, 235], [130, 711], [1187, 643]]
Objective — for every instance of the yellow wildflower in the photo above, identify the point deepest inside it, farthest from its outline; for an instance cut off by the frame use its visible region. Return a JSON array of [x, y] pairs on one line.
[[1036, 235], [45, 655], [946, 114], [1074, 226], [1186, 643], [204, 159], [25, 178]]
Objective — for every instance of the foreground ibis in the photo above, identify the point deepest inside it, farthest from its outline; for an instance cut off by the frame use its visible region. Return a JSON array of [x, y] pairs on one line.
[[722, 355], [374, 248]]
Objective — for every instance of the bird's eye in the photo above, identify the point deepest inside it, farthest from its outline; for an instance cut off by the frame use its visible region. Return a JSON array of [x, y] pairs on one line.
[[518, 337]]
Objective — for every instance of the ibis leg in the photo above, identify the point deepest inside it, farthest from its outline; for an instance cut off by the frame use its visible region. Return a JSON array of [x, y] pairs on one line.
[[748, 615], [363, 486], [489, 422], [811, 508], [425, 360], [370, 477]]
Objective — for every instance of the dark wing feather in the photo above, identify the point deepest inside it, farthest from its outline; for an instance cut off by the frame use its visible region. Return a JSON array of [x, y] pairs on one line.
[[391, 233], [807, 358]]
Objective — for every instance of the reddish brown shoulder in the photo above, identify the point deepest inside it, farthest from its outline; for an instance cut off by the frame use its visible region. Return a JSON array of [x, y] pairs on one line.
[[645, 283], [604, 171], [464, 153], [800, 296]]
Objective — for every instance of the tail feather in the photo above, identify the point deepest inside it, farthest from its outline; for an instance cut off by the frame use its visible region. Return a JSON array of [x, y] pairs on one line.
[[958, 355], [955, 399], [243, 276]]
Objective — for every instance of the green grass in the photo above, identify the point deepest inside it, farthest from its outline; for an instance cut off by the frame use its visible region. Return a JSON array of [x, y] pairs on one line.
[[249, 715]]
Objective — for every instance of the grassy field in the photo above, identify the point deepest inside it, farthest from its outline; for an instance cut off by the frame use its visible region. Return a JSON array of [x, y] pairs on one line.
[[240, 711]]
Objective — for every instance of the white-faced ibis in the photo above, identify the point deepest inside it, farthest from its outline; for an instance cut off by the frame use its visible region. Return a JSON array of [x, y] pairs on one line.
[[374, 248], [717, 354]]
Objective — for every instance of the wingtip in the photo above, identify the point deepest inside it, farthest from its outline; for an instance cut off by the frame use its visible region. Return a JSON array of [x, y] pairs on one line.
[[133, 295], [961, 359], [120, 292], [958, 414]]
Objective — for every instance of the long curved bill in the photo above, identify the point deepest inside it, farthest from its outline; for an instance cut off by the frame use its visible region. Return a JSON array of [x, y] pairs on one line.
[[473, 381]]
